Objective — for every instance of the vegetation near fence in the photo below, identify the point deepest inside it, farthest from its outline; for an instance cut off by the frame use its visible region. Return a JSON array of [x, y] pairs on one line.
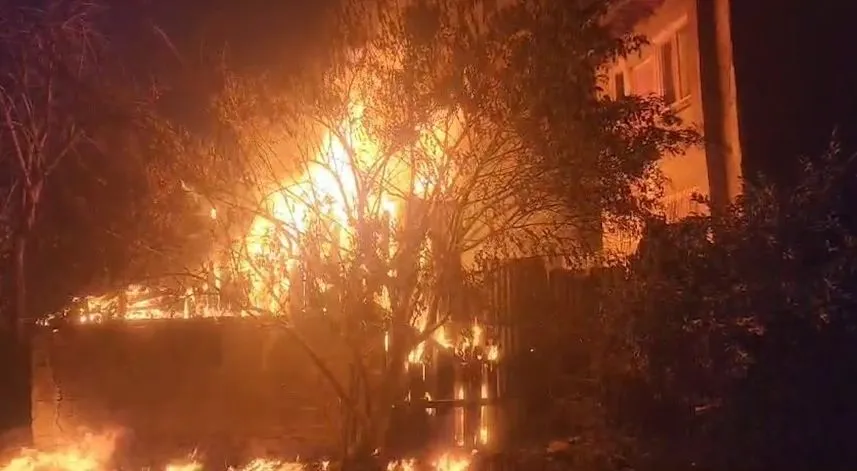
[[726, 341]]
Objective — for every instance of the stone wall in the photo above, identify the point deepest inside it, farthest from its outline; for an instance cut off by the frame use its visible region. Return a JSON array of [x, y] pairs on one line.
[[238, 388]]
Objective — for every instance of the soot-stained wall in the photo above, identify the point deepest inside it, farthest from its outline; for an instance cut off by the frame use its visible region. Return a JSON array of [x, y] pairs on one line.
[[236, 387]]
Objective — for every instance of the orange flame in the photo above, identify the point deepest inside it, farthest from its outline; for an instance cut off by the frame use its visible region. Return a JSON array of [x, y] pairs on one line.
[[94, 453]]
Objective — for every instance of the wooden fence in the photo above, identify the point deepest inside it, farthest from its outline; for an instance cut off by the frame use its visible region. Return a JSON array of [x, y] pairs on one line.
[[529, 307]]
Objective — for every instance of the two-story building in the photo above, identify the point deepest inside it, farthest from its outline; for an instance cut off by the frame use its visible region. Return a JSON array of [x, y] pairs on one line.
[[765, 81], [688, 61]]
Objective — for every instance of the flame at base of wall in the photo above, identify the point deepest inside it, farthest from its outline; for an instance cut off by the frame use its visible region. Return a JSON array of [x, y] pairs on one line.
[[95, 452]]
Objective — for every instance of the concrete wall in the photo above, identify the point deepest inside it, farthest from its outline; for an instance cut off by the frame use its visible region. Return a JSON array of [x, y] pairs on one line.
[[237, 387]]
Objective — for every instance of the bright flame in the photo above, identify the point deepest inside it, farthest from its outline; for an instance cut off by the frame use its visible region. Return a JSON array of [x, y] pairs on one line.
[[477, 334], [273, 465], [141, 303], [483, 411], [445, 462], [459, 417], [92, 453], [326, 196], [493, 353], [429, 410], [402, 465], [448, 462], [184, 467], [441, 338], [323, 196]]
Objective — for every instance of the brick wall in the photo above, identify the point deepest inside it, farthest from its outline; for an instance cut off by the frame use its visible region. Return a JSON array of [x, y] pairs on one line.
[[236, 388]]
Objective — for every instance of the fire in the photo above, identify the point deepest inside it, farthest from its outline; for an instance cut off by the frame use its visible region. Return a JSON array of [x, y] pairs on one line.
[[445, 462], [441, 338], [492, 353], [326, 195], [402, 465], [459, 417], [184, 467], [327, 200], [142, 303], [330, 195], [95, 452], [346, 183], [448, 462], [272, 465], [92, 453], [257, 464], [478, 333]]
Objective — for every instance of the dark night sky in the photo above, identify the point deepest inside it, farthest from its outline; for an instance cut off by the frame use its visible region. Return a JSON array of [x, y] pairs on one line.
[[796, 73], [274, 37], [258, 32]]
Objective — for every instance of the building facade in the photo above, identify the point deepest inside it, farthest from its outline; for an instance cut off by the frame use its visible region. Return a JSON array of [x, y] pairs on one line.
[[688, 61]]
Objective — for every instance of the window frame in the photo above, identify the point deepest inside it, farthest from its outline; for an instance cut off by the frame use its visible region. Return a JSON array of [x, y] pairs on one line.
[[671, 34], [620, 68], [654, 52], [653, 61]]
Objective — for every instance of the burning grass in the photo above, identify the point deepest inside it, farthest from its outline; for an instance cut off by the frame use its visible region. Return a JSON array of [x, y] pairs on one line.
[[97, 452]]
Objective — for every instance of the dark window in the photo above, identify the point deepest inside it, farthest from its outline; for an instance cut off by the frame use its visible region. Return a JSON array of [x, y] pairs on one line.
[[683, 45], [674, 60], [619, 81], [668, 71]]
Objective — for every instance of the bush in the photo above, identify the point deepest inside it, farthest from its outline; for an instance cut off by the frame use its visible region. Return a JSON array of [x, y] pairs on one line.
[[744, 324]]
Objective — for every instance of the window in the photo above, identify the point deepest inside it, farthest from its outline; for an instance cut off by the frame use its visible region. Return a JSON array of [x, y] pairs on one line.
[[684, 60], [644, 78], [663, 72], [668, 70], [675, 83]]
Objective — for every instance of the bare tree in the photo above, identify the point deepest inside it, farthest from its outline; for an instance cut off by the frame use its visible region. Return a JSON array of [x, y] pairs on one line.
[[48, 56]]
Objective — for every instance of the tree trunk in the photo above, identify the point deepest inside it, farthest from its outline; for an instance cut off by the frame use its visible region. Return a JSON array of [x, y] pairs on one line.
[[15, 364]]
